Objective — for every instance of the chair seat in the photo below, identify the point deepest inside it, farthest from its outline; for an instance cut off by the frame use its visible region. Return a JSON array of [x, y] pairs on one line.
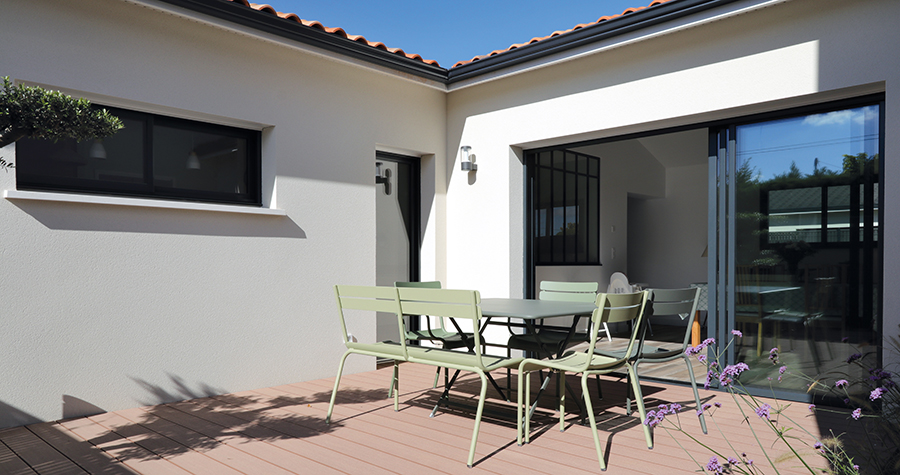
[[787, 317], [458, 359], [386, 349], [648, 352], [449, 339], [549, 339], [572, 362]]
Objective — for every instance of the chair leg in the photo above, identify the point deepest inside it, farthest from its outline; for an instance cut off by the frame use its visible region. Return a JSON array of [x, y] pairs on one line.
[[521, 401], [478, 413], [590, 410], [599, 390], [561, 390], [629, 394], [696, 393], [528, 412], [437, 374], [606, 329], [396, 386], [337, 382], [636, 384]]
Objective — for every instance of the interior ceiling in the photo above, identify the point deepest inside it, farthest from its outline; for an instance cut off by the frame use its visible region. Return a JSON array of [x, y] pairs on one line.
[[679, 149], [676, 149]]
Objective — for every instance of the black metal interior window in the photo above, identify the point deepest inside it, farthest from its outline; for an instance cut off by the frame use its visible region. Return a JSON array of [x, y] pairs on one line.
[[565, 207], [152, 157]]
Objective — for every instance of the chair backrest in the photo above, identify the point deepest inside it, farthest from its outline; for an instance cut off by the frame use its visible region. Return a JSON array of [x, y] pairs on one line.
[[373, 299], [747, 280], [445, 303], [568, 291], [681, 302], [431, 284], [618, 284], [615, 308]]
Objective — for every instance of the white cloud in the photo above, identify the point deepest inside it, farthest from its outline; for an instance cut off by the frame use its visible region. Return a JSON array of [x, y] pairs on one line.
[[858, 116]]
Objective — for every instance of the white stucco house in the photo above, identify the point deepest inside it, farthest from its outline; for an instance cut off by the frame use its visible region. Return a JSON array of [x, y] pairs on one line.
[[197, 252]]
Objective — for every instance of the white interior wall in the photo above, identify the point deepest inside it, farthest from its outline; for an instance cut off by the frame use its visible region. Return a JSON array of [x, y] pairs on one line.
[[124, 306], [667, 236]]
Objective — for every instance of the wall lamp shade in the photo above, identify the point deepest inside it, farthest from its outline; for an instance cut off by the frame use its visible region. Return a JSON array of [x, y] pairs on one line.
[[467, 160], [98, 151], [193, 161]]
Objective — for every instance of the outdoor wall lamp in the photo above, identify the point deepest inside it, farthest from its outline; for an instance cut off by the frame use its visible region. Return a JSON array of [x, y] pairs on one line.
[[467, 161], [383, 177]]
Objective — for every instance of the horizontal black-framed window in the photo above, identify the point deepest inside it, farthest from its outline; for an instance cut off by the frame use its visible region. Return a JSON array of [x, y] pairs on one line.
[[154, 156], [565, 208]]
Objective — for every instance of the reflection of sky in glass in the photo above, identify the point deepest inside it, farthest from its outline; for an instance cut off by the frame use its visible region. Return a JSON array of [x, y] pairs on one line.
[[772, 146]]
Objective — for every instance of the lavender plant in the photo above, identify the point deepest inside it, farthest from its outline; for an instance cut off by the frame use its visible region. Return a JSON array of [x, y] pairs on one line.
[[881, 455]]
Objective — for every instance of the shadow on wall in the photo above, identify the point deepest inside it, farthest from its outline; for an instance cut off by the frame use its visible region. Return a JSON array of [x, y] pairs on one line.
[[133, 219], [160, 395], [13, 417], [75, 407]]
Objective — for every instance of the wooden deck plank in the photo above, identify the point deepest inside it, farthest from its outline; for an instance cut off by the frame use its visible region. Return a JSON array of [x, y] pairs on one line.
[[41, 457], [132, 455], [178, 454], [212, 447], [10, 463], [243, 432], [88, 456]]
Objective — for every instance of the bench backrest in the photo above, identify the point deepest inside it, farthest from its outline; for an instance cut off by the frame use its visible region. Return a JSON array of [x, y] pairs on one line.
[[373, 299], [459, 305]]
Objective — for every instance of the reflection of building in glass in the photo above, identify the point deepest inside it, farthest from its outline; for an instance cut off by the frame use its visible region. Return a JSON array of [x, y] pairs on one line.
[[799, 215]]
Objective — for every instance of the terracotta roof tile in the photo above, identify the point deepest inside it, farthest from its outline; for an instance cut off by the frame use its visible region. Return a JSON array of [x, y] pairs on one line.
[[557, 33], [265, 8]]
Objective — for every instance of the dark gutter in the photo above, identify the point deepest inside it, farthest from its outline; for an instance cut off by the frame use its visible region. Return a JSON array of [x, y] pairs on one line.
[[590, 34], [291, 30]]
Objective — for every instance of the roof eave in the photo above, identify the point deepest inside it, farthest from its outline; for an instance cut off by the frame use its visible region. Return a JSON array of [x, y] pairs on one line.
[[288, 29], [590, 34]]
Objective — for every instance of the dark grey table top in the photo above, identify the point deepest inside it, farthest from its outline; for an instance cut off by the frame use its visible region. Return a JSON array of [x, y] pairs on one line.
[[533, 309]]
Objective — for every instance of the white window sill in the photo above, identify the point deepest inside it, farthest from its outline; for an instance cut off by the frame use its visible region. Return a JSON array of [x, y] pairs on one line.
[[145, 203]]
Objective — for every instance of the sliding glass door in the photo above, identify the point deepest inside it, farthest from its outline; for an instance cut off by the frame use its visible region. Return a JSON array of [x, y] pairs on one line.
[[796, 227]]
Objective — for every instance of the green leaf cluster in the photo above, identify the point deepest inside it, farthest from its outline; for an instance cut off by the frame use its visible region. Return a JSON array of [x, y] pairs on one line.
[[29, 111]]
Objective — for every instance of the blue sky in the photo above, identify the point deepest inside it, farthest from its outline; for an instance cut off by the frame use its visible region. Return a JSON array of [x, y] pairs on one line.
[[452, 30]]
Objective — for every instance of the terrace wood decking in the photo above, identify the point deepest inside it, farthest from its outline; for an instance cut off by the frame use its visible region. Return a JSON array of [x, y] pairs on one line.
[[281, 430]]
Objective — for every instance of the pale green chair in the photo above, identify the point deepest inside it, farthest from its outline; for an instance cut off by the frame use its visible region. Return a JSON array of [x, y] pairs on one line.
[[681, 302], [449, 339], [370, 299], [552, 338], [611, 308], [461, 307]]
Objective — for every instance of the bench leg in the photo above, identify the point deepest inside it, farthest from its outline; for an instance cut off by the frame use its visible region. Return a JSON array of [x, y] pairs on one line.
[[337, 382], [478, 413]]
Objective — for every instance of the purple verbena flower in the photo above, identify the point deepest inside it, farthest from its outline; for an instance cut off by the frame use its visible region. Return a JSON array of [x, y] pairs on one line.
[[737, 333], [812, 408], [854, 357], [773, 355], [717, 404], [841, 383], [733, 461], [713, 465], [857, 413], [732, 371], [763, 411], [845, 339], [876, 394], [701, 358], [782, 370]]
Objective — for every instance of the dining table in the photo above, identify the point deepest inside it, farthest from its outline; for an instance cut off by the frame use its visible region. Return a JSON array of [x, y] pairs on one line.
[[531, 312]]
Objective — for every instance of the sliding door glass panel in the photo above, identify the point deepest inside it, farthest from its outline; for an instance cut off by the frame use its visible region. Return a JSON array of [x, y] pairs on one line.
[[806, 266]]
